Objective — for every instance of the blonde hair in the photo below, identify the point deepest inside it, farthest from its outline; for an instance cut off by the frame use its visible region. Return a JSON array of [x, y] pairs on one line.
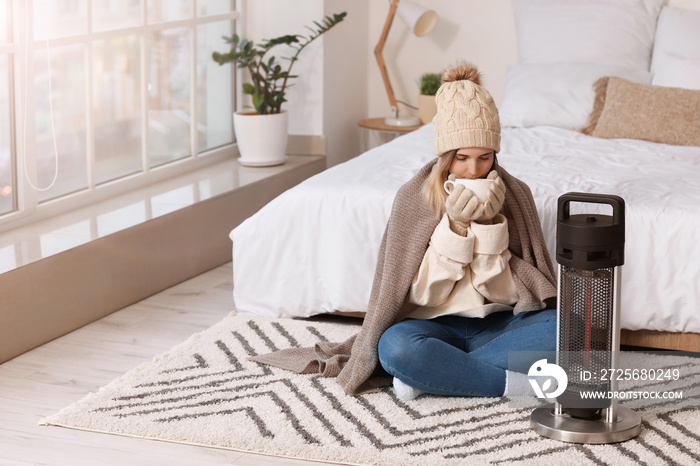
[[433, 190]]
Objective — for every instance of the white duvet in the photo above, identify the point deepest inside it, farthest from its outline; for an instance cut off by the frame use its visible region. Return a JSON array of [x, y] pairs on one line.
[[314, 248]]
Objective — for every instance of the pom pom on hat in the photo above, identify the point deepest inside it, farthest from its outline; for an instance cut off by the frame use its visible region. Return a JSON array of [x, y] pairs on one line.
[[462, 72], [466, 114]]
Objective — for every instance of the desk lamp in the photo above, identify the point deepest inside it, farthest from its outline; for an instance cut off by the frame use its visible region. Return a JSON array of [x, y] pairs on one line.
[[421, 21]]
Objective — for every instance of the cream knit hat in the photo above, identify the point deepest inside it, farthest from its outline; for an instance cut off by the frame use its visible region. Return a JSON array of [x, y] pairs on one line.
[[466, 114]]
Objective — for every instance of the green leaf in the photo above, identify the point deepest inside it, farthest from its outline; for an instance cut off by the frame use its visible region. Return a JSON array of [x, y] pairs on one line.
[[257, 101], [287, 40], [248, 88]]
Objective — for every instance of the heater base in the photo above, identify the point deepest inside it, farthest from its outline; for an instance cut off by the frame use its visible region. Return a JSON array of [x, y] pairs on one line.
[[568, 429]]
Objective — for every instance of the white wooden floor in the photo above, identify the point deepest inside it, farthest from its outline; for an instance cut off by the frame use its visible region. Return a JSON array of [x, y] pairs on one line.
[[43, 381]]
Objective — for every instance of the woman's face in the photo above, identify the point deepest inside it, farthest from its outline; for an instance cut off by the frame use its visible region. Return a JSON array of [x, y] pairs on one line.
[[472, 162]]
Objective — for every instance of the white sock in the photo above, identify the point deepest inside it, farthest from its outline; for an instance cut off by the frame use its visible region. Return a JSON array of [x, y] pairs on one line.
[[405, 392], [517, 384]]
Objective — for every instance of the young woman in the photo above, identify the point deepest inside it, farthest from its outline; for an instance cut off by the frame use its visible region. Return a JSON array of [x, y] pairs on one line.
[[473, 277], [458, 338]]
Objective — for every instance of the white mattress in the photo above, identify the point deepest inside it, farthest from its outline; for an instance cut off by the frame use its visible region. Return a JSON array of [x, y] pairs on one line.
[[314, 248]]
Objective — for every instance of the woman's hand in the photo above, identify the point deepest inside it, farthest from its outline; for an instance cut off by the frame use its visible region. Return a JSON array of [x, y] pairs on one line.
[[462, 206], [494, 199]]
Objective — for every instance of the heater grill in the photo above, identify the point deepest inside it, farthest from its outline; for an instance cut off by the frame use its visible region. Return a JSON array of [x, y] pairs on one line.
[[585, 337], [588, 297]]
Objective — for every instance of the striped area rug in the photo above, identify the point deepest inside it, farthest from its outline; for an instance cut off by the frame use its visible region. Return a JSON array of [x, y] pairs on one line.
[[206, 392]]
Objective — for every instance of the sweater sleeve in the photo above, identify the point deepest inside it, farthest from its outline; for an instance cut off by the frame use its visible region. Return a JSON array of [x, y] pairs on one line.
[[491, 274], [444, 264]]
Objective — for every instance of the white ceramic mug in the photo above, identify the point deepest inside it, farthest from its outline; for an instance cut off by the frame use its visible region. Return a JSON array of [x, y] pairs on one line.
[[480, 187]]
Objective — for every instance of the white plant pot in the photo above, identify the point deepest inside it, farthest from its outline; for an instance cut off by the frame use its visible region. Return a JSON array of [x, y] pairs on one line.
[[261, 139]]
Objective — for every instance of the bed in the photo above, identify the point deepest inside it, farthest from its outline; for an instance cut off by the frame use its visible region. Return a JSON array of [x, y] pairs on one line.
[[313, 249]]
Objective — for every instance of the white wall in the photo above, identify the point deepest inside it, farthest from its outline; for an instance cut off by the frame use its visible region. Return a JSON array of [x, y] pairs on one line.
[[479, 31], [340, 82], [267, 19], [345, 79], [482, 32]]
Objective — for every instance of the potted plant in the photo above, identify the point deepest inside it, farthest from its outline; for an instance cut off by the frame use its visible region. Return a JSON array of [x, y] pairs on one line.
[[262, 134], [429, 85]]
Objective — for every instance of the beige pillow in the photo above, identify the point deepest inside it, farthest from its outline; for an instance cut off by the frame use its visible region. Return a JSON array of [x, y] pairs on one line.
[[623, 109]]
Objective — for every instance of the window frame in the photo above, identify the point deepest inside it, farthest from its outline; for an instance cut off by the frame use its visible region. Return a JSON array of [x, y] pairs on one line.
[[26, 205]]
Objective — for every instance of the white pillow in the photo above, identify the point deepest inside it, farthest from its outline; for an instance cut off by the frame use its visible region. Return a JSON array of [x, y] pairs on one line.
[[606, 32], [673, 71], [678, 33], [556, 95]]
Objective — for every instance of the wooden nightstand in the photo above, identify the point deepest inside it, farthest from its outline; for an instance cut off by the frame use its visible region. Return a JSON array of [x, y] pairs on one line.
[[373, 132]]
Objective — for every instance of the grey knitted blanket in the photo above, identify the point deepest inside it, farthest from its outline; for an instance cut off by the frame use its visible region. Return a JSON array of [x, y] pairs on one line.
[[354, 362]]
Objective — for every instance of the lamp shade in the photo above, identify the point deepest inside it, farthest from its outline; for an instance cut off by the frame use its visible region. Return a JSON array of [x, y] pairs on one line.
[[419, 19]]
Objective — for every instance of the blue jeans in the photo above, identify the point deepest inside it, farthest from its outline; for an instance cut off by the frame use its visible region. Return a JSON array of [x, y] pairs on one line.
[[464, 356]]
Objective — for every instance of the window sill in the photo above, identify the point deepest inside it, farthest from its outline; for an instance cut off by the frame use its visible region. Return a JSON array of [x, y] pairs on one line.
[[60, 274], [36, 241]]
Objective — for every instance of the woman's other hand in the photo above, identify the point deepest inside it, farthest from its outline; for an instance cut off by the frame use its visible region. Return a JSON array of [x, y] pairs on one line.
[[494, 199]]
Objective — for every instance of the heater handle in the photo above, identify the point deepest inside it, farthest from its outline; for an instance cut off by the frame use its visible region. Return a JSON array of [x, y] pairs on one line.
[[616, 202]]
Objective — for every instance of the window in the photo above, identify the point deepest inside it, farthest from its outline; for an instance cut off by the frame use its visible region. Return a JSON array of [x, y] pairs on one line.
[[98, 94]]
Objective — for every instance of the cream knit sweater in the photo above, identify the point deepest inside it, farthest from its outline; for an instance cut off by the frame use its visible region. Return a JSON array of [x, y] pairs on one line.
[[465, 275]]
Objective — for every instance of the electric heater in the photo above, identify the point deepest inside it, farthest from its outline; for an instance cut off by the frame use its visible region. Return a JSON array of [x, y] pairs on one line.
[[590, 253]]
